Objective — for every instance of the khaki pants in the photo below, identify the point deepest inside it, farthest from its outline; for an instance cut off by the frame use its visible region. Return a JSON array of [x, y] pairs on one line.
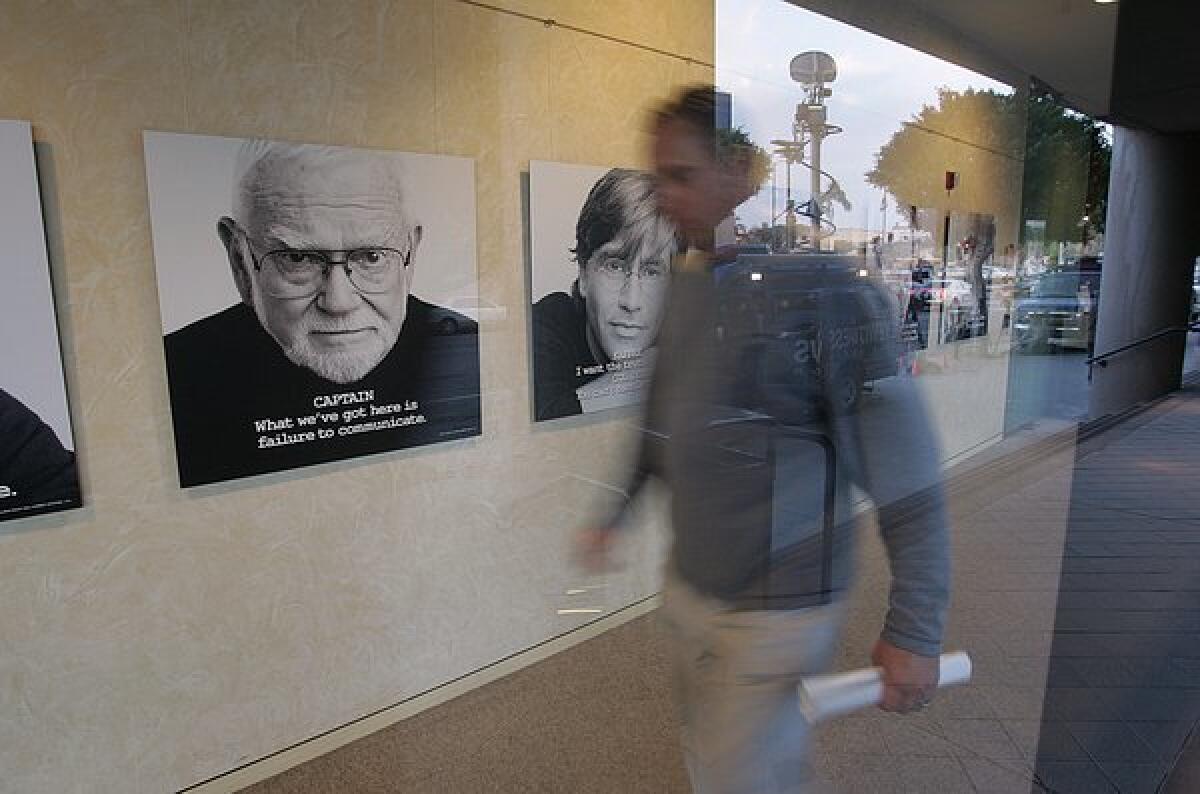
[[736, 674]]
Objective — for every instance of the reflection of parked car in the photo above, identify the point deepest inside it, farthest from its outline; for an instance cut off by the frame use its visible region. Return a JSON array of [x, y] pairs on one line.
[[953, 297], [482, 311], [727, 254], [1002, 289], [960, 310], [952, 292], [1194, 315], [800, 319], [444, 321], [1059, 311], [746, 249]]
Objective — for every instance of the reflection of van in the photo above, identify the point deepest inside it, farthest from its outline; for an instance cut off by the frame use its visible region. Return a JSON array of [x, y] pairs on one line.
[[1194, 314], [796, 321], [1059, 311]]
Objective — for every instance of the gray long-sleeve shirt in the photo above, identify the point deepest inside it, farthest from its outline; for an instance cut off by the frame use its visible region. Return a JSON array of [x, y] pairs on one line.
[[747, 377]]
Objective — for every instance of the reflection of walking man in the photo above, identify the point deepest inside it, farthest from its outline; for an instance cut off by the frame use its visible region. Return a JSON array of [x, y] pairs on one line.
[[746, 605], [593, 347], [322, 250]]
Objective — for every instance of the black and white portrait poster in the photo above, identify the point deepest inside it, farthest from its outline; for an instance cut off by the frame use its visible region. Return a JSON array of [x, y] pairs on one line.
[[601, 258], [305, 293], [37, 446]]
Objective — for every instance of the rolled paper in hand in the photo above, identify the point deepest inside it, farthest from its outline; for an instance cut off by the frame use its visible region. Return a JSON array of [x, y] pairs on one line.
[[825, 696]]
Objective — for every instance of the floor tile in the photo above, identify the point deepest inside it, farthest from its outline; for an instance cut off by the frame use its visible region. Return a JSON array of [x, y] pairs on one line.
[[998, 777], [1077, 704], [1165, 739], [1018, 703], [1050, 741], [910, 741], [1074, 777], [1183, 779], [851, 736], [963, 702], [1132, 778], [941, 775], [1110, 741], [983, 738]]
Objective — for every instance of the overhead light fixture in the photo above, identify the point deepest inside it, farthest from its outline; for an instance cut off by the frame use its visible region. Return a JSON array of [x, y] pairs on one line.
[[1105, 2]]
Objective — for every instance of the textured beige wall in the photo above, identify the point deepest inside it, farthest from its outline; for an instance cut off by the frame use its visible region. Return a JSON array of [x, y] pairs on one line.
[[159, 637]]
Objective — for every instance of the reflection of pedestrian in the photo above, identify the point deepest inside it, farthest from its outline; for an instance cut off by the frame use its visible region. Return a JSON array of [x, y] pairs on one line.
[[747, 606], [322, 248], [912, 315], [591, 344], [36, 472]]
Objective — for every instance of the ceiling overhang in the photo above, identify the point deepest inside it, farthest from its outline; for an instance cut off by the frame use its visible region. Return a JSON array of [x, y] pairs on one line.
[[1131, 62]]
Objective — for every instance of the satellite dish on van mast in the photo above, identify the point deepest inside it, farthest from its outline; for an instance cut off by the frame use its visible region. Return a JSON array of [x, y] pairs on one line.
[[813, 68]]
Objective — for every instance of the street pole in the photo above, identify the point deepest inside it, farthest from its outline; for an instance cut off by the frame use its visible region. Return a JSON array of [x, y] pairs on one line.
[[883, 221], [817, 131], [774, 168], [791, 211], [813, 70]]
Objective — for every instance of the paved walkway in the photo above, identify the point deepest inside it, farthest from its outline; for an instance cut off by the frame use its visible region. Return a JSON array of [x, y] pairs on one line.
[[1077, 592], [1125, 667]]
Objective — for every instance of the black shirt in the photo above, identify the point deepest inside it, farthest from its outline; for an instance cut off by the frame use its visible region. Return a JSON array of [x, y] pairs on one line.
[[562, 358], [37, 474], [241, 407]]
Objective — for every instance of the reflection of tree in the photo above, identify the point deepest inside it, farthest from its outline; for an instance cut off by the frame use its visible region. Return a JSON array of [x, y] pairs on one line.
[[734, 144], [978, 243], [1067, 159], [976, 134], [1013, 154]]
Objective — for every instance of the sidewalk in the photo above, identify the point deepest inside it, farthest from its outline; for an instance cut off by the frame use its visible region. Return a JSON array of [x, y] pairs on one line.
[[1077, 593]]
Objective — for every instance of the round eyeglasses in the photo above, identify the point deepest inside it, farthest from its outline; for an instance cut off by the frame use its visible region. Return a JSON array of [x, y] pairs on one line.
[[299, 273], [616, 269]]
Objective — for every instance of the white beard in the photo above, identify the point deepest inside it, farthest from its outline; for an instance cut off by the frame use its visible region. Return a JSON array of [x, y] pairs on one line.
[[338, 367]]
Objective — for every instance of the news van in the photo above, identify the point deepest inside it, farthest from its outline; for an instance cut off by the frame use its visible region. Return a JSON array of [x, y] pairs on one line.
[[808, 328]]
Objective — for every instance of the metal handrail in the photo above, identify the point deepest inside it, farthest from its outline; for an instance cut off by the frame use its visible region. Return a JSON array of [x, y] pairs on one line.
[[1102, 359], [830, 499]]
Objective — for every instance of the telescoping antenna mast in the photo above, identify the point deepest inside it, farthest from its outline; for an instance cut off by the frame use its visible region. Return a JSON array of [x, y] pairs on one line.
[[813, 70]]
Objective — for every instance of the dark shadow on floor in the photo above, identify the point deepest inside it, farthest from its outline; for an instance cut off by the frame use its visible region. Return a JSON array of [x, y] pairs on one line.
[[1123, 690]]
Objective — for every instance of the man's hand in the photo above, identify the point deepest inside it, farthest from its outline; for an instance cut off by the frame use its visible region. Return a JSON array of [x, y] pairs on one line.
[[909, 680], [593, 549]]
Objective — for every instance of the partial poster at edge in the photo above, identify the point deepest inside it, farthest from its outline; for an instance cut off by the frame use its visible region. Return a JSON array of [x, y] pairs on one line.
[[38, 473]]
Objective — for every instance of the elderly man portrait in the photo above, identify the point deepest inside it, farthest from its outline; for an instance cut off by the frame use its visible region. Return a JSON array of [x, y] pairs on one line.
[[593, 348], [322, 245]]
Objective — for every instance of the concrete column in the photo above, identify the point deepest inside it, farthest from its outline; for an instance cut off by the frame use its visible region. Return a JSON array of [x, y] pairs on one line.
[[1151, 242]]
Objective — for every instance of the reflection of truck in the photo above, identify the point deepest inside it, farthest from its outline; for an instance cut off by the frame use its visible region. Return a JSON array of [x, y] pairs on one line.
[[798, 321], [1058, 311], [1194, 314]]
